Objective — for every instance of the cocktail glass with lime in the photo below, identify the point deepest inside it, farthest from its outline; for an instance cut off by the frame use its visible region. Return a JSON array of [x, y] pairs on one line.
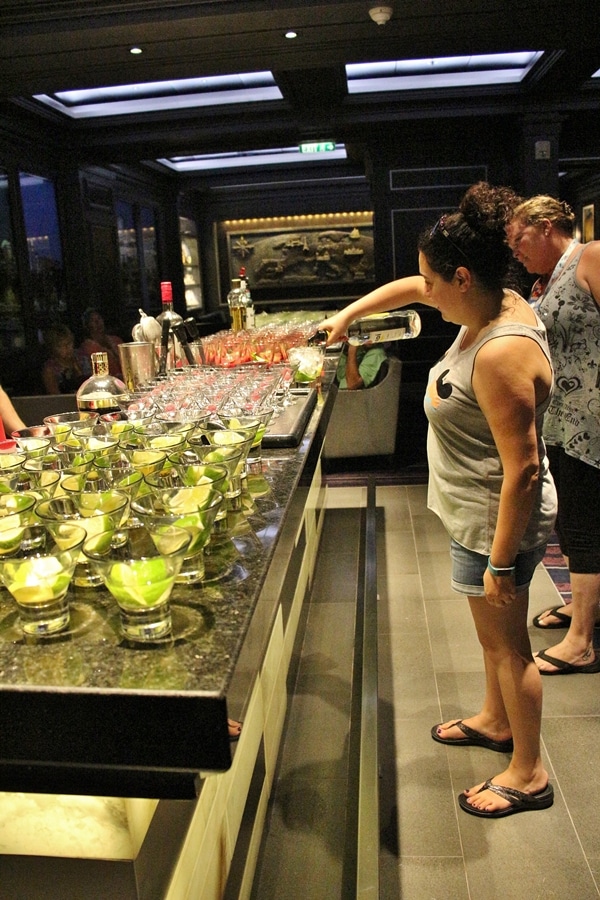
[[38, 575], [139, 567], [191, 508], [61, 423], [97, 512], [191, 467], [11, 462], [234, 417], [40, 482], [16, 513], [310, 364], [218, 436]]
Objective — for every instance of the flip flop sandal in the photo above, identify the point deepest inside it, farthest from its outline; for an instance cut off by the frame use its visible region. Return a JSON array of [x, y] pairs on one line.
[[473, 738], [519, 801], [563, 620], [564, 668]]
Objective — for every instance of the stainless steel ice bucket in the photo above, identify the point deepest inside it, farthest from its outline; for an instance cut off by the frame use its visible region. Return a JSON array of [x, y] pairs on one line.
[[138, 363]]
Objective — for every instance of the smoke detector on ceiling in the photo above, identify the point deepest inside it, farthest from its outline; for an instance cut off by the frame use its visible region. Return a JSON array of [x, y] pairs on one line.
[[381, 14]]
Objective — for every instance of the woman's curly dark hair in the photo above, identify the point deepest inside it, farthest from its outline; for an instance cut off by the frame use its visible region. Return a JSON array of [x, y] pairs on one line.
[[475, 237]]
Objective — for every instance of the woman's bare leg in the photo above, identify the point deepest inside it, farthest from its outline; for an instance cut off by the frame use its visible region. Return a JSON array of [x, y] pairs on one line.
[[511, 671], [577, 645]]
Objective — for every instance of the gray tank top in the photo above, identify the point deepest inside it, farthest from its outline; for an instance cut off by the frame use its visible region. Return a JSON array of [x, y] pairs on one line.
[[465, 471]]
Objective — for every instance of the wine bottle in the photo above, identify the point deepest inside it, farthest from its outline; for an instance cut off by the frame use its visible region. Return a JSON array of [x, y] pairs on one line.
[[168, 315], [101, 392], [166, 299], [397, 325]]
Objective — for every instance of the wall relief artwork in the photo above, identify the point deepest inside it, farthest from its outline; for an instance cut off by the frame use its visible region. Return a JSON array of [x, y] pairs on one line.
[[307, 257]]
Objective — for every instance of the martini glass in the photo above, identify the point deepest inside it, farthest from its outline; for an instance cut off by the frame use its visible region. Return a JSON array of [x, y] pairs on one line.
[[61, 423], [246, 416], [33, 441], [11, 462], [192, 508], [97, 437], [218, 436], [191, 464], [16, 513], [38, 574], [97, 512], [139, 567], [42, 483]]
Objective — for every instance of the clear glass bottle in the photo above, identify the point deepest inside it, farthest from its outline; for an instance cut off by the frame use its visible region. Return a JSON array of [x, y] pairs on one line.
[[397, 325], [101, 391], [236, 306], [247, 302], [169, 350]]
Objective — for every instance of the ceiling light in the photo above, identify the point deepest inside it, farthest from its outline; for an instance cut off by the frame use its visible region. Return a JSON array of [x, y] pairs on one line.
[[440, 72], [243, 159], [155, 96], [136, 51], [291, 34], [381, 14]]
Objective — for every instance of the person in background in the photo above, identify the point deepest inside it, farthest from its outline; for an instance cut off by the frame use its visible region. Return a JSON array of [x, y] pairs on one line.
[[489, 479], [10, 420], [98, 341], [62, 372], [360, 367], [540, 235]]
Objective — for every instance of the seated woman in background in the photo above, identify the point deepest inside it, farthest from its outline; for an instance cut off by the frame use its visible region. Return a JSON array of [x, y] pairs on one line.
[[361, 367], [98, 341], [62, 373]]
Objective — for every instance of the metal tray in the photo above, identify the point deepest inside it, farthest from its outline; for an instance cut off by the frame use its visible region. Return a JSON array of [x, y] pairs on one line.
[[289, 426]]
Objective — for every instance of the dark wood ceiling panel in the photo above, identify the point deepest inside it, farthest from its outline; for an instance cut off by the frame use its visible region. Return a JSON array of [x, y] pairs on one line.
[[69, 44]]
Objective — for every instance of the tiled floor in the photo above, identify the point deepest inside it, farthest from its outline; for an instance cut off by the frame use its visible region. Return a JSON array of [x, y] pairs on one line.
[[430, 670]]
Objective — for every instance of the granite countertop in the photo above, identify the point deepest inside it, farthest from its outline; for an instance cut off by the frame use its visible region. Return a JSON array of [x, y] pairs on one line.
[[88, 701]]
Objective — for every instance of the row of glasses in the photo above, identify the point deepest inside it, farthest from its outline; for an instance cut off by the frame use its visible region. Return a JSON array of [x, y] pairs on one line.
[[99, 475]]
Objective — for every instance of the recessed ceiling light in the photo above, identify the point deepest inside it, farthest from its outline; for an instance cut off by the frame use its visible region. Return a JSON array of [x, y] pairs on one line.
[[136, 51], [291, 34], [440, 72], [243, 159], [156, 96]]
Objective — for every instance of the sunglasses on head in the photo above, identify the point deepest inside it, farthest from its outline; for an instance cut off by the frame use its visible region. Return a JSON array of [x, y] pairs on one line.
[[440, 226]]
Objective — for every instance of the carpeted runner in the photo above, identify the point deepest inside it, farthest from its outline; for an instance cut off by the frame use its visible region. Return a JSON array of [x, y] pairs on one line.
[[556, 566]]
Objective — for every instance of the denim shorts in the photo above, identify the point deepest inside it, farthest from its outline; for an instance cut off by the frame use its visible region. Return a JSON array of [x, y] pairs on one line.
[[468, 569]]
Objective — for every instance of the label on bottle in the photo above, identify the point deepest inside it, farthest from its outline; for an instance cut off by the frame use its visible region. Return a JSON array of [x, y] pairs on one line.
[[250, 320], [378, 337], [237, 320], [381, 327], [99, 363]]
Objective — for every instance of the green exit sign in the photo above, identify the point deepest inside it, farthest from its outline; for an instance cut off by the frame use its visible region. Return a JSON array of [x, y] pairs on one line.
[[317, 147]]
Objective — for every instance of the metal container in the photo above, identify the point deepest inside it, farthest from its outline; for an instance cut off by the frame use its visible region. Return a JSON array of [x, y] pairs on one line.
[[138, 363]]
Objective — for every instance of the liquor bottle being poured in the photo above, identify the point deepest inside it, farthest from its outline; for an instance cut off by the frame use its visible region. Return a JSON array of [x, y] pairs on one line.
[[378, 328], [397, 325]]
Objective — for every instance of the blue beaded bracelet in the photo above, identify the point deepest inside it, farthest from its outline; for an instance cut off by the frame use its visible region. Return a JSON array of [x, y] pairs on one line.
[[509, 570]]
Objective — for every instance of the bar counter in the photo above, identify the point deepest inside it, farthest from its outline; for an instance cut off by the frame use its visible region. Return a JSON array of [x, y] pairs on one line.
[[86, 713]]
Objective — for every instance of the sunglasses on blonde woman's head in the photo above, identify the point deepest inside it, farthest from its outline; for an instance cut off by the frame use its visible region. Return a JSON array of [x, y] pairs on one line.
[[440, 226]]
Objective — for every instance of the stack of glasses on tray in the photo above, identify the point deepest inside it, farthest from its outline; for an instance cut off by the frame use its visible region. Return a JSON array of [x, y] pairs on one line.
[[137, 501]]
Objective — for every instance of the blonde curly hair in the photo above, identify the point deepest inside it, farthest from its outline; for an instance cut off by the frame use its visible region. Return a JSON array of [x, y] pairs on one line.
[[543, 207]]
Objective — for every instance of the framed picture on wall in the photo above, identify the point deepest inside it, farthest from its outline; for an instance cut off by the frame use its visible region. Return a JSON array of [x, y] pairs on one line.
[[314, 257], [587, 223]]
